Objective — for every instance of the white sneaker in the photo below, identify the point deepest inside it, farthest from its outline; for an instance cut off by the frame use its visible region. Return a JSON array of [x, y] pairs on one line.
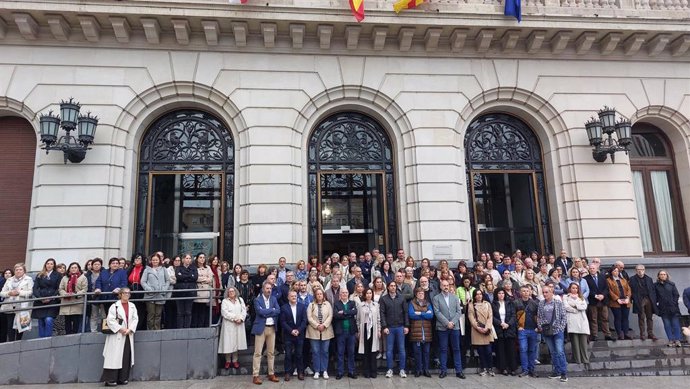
[[389, 374], [402, 374], [378, 356], [316, 376], [308, 371], [294, 372], [325, 375]]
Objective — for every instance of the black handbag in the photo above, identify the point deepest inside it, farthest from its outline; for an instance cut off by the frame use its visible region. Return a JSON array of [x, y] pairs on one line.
[[547, 329]]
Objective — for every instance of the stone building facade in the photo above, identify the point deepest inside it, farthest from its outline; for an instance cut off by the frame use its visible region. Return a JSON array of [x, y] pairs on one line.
[[445, 130]]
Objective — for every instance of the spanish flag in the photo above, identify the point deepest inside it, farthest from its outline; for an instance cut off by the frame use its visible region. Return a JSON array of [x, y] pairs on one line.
[[406, 4], [357, 7]]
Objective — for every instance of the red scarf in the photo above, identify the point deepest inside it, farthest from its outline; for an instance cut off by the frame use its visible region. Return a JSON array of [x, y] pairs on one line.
[[72, 283], [135, 275]]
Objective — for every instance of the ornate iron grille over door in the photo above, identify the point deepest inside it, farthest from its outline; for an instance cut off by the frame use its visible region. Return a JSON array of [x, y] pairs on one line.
[[196, 147], [350, 143], [505, 182]]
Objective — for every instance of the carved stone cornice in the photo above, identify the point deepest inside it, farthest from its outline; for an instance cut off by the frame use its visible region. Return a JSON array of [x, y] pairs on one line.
[[455, 28]]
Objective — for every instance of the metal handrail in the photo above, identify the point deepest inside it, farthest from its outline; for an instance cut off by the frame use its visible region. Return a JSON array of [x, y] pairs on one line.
[[86, 301]]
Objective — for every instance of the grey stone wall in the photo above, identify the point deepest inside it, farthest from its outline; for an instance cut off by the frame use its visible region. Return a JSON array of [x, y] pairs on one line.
[[158, 355]]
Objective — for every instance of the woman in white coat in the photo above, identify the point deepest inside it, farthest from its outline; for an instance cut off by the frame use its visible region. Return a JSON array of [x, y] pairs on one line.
[[578, 325], [17, 288], [118, 352], [232, 334], [369, 329]]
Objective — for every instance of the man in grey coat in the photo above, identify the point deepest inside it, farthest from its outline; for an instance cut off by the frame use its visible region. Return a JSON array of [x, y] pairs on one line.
[[449, 322]]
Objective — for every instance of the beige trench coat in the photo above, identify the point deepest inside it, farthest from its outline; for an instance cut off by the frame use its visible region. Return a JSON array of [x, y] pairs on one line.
[[485, 315], [115, 344], [82, 287]]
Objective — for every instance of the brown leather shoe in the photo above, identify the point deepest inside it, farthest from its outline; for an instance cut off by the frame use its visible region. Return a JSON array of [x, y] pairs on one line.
[[273, 378], [300, 376], [257, 380], [287, 377]]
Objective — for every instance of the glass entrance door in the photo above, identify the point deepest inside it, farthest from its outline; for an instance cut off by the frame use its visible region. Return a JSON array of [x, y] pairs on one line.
[[505, 212], [185, 213], [351, 212]]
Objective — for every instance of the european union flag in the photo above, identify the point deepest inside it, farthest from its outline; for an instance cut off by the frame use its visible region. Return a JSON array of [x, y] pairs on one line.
[[513, 9]]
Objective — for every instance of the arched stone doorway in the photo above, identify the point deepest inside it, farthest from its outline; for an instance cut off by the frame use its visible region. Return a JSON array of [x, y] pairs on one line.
[[506, 186], [352, 201], [186, 186]]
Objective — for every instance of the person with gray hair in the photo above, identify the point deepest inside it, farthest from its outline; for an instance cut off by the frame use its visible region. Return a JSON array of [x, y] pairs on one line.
[[118, 352]]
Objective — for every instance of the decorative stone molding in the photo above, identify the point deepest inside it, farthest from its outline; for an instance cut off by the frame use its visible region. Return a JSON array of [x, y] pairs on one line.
[[211, 31], [121, 28], [325, 33], [297, 35], [352, 36], [90, 27], [59, 27], [563, 28], [152, 30], [27, 25], [182, 30]]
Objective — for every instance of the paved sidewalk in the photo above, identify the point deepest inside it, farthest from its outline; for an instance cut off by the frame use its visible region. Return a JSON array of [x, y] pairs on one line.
[[472, 381]]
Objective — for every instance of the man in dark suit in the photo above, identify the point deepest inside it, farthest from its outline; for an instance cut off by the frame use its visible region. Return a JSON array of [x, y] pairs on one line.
[[345, 328], [597, 310], [644, 301], [267, 313], [564, 262], [293, 322]]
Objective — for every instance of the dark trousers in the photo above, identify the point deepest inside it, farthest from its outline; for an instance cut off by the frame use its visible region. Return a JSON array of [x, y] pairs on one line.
[[421, 356], [452, 337], [294, 351], [12, 334], [644, 316], [200, 315], [369, 363], [72, 324], [620, 320], [120, 375], [4, 328], [184, 313], [170, 315], [484, 356], [346, 345], [505, 354]]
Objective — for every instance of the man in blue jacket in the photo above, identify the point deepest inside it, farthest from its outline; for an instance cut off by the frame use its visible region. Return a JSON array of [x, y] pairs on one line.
[[264, 331], [293, 323], [345, 329]]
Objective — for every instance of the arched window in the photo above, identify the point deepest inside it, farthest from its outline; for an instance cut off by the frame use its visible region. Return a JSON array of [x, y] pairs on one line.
[[350, 161], [186, 178], [659, 212], [506, 186]]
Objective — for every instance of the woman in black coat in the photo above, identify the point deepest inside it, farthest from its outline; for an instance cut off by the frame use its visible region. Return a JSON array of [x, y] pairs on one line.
[[667, 304], [505, 324], [186, 276], [46, 285]]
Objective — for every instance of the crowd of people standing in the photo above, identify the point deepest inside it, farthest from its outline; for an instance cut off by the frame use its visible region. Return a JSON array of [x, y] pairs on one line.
[[323, 314]]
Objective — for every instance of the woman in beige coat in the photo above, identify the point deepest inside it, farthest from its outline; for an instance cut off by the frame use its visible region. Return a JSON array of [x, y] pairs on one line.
[[16, 289], [369, 329], [578, 324], [481, 318], [200, 308], [319, 332], [72, 287]]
